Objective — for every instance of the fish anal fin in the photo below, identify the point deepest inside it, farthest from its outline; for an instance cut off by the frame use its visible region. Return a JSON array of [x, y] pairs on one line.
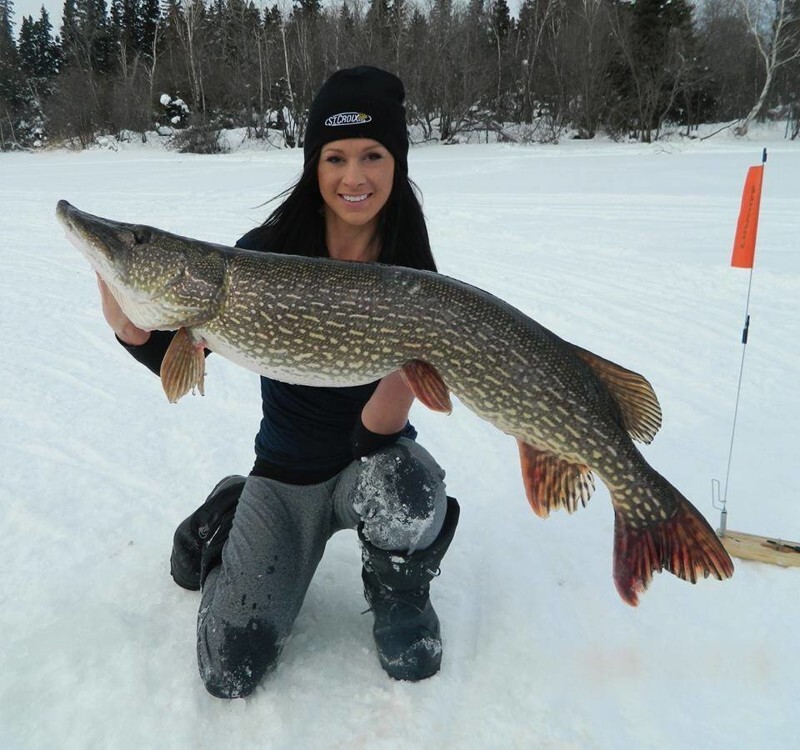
[[427, 385], [637, 401], [552, 482], [685, 545], [183, 367]]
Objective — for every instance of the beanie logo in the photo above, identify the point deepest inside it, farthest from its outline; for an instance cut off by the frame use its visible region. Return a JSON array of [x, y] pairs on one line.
[[348, 118]]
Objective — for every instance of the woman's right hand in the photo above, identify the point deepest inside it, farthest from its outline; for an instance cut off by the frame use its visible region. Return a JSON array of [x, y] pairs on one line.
[[126, 331]]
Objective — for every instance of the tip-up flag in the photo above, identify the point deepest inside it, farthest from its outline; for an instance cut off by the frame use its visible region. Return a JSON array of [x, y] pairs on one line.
[[744, 244]]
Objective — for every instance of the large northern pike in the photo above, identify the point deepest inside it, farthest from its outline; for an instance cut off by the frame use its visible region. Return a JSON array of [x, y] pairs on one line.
[[323, 322]]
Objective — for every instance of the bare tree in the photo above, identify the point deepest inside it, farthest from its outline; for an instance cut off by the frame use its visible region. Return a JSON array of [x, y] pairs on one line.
[[536, 21], [151, 67], [587, 55], [774, 26], [188, 32]]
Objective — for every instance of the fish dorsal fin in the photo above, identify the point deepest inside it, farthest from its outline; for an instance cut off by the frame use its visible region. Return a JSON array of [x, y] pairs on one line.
[[552, 482], [641, 412], [183, 367], [427, 385]]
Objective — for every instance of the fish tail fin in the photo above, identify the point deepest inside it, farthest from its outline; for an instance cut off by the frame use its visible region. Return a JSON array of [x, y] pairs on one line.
[[685, 545]]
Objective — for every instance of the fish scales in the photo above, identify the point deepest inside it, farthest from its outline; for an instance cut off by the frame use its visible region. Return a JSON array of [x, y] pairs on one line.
[[333, 323], [364, 323]]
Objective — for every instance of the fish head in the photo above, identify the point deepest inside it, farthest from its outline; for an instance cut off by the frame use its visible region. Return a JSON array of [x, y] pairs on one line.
[[160, 280]]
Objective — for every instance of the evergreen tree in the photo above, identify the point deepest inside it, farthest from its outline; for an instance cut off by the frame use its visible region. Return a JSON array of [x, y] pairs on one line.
[[25, 48], [125, 26], [70, 33], [499, 27], [306, 9], [10, 80], [657, 51], [38, 50], [148, 22], [38, 59], [500, 18], [97, 30], [87, 36], [655, 22], [272, 18], [377, 26]]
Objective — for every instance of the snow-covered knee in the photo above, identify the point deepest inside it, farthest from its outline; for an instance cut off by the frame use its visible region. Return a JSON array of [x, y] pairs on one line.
[[400, 496]]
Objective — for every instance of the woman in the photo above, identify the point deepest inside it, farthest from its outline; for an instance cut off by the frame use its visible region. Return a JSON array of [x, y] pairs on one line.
[[326, 458]]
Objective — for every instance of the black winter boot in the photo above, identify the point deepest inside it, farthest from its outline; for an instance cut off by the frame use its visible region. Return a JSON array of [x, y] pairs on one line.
[[396, 585], [200, 537]]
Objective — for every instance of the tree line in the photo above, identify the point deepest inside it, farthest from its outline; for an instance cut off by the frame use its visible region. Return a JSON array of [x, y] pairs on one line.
[[579, 67]]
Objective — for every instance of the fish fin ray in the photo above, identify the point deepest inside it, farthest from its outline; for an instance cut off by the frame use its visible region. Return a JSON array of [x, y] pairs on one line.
[[427, 385], [183, 367], [637, 401], [552, 482], [685, 545]]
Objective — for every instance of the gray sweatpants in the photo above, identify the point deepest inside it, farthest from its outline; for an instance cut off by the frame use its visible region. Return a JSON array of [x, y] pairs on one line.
[[279, 533]]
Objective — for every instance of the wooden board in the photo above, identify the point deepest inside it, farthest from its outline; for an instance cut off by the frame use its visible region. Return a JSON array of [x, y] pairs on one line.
[[772, 550]]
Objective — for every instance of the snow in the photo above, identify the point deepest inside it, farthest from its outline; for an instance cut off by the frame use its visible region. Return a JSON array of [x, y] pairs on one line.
[[622, 249]]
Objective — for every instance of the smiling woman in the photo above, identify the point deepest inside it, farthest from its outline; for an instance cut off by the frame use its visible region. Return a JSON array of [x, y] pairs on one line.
[[326, 458], [355, 180]]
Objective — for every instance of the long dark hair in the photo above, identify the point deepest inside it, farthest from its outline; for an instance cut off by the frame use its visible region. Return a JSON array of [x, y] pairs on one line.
[[297, 225]]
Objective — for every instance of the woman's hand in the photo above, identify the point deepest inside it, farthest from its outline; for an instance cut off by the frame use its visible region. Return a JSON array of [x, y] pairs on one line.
[[126, 331]]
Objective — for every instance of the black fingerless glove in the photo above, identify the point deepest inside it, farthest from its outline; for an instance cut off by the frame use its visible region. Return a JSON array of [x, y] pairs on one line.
[[151, 353], [364, 441]]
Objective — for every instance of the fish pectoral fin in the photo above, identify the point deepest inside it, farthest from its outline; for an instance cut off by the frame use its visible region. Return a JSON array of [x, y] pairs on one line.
[[427, 385], [684, 544], [553, 482], [183, 367], [641, 412]]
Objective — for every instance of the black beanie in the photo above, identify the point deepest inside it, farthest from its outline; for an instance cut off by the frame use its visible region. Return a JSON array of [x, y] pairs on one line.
[[362, 102]]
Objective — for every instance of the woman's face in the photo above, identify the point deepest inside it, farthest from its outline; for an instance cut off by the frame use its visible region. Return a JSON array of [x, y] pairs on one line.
[[355, 178]]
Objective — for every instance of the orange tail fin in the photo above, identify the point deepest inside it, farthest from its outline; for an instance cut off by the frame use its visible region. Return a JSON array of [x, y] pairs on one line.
[[685, 545]]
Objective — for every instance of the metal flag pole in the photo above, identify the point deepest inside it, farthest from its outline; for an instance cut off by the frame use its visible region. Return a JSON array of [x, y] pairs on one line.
[[721, 503]]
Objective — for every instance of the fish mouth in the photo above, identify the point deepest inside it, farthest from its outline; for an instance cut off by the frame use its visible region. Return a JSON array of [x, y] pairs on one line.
[[76, 230], [96, 239], [74, 220], [63, 208], [64, 213]]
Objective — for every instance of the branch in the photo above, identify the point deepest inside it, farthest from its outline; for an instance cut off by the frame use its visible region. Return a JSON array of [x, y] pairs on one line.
[[724, 127]]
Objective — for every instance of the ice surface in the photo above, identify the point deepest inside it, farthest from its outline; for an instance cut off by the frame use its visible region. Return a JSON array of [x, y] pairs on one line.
[[622, 249]]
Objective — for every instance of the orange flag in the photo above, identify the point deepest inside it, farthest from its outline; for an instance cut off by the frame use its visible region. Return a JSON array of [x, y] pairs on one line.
[[744, 245]]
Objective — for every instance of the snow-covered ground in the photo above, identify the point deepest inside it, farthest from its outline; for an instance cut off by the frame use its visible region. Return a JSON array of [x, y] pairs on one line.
[[622, 249]]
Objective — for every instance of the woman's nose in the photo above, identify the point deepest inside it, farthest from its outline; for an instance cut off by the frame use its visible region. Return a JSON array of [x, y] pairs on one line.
[[354, 174]]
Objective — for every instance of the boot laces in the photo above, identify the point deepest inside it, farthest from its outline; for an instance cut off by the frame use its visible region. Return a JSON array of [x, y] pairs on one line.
[[392, 599]]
